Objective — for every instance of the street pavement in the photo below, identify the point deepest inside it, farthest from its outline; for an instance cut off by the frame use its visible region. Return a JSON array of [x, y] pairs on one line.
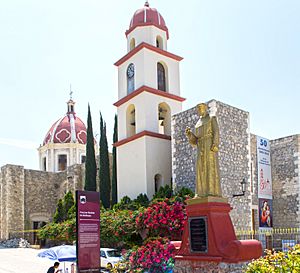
[[25, 260]]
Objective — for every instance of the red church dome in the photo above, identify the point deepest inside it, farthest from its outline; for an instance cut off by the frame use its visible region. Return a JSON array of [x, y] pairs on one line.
[[68, 129], [147, 16]]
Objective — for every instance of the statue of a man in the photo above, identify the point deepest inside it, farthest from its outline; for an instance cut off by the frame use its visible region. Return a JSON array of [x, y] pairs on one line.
[[206, 137]]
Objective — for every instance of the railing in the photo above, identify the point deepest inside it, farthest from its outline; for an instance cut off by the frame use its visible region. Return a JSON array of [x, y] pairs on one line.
[[279, 239]]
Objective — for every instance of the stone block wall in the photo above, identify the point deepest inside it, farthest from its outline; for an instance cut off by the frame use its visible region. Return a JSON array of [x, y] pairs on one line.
[[42, 190], [234, 156], [12, 199], [285, 162], [28, 196]]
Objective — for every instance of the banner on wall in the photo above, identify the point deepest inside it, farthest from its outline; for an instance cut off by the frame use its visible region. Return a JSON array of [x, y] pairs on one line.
[[264, 174], [264, 168]]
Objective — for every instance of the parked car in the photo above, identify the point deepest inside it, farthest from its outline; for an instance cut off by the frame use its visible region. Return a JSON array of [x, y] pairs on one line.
[[109, 257]]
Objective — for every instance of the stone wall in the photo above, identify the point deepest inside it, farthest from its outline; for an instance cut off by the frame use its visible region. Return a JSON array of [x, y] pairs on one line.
[[28, 196], [234, 156], [12, 199], [285, 162]]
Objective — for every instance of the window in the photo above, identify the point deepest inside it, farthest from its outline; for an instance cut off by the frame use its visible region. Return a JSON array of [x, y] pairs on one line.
[[159, 42], [83, 157], [157, 182], [130, 78], [161, 77], [130, 121], [62, 162], [132, 43], [102, 254], [44, 164]]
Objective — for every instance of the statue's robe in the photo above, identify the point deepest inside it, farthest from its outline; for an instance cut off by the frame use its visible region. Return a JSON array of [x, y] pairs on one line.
[[207, 165]]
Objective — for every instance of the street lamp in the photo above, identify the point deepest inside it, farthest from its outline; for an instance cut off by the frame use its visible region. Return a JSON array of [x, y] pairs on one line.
[[243, 183]]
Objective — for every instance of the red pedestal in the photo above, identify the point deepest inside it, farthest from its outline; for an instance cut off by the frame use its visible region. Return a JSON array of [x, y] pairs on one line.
[[222, 244]]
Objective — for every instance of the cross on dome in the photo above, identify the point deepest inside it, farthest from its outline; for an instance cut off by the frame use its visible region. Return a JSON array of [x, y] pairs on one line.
[[71, 92]]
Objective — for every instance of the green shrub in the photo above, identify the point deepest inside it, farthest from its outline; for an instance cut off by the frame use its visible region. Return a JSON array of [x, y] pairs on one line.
[[277, 262], [127, 204], [185, 192], [163, 192]]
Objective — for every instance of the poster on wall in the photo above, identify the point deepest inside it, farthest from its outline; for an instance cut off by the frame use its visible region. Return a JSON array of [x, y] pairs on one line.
[[264, 168], [88, 231], [265, 213]]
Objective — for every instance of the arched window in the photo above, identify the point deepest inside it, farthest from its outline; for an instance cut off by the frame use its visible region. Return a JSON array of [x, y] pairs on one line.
[[130, 121], [157, 182], [130, 78], [161, 77], [159, 42], [132, 43], [44, 164]]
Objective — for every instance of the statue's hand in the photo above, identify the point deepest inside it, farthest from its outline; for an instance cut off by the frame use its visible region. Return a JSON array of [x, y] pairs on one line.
[[188, 131], [214, 148]]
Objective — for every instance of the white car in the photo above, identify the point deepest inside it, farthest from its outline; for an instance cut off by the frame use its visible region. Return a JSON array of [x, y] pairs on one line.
[[109, 257]]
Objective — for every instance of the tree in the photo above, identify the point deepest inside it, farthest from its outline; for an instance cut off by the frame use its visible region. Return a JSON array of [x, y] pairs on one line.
[[114, 195], [60, 212], [69, 204], [64, 208], [90, 163], [104, 172]]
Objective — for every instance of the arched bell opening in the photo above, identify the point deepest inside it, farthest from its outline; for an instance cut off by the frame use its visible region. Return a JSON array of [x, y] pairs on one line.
[[164, 119], [130, 121]]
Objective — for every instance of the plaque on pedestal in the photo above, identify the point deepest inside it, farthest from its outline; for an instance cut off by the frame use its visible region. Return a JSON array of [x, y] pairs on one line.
[[198, 234]]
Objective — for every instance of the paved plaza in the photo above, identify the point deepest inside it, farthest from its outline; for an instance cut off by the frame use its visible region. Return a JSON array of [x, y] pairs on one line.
[[25, 260]]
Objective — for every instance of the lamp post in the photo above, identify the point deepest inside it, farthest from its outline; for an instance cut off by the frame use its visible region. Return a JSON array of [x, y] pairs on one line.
[[243, 183]]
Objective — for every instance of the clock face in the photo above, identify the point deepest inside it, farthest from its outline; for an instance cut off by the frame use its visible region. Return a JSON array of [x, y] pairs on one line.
[[130, 71]]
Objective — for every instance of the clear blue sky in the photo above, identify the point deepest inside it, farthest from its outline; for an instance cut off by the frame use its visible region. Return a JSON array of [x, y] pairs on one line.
[[244, 53]]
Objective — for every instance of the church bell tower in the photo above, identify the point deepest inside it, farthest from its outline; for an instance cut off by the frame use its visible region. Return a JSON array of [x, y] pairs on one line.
[[148, 95]]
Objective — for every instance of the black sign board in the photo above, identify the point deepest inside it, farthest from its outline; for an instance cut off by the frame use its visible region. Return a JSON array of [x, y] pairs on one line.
[[198, 234]]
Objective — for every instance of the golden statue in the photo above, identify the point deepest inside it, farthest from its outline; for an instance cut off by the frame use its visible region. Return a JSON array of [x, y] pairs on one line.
[[206, 137]]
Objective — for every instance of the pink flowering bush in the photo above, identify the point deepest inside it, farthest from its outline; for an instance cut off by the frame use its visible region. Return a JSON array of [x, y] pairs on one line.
[[156, 255], [163, 218]]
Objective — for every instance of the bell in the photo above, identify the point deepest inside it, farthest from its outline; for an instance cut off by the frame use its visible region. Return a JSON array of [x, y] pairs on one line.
[[160, 117]]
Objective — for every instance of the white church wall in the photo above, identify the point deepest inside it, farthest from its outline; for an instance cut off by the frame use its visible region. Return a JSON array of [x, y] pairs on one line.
[[145, 65], [146, 112], [52, 150], [146, 34], [131, 164], [171, 68], [158, 153], [138, 61]]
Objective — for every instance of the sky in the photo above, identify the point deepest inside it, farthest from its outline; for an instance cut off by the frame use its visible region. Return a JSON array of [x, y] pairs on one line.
[[242, 52]]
